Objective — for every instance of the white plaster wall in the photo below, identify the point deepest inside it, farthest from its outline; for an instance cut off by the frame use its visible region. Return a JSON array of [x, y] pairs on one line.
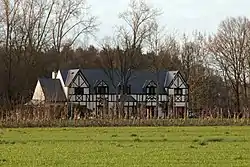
[[59, 76], [38, 93], [164, 97], [82, 82], [171, 91]]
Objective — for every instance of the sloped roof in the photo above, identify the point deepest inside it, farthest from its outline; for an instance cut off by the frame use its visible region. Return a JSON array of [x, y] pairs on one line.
[[140, 77], [169, 77], [96, 75], [52, 90], [137, 80], [64, 74], [70, 76], [127, 98]]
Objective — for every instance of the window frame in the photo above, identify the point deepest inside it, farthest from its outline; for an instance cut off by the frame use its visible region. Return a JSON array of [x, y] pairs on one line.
[[103, 88], [79, 91], [149, 90], [178, 92]]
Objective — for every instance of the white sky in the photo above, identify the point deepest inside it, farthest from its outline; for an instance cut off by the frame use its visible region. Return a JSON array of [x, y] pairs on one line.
[[181, 15]]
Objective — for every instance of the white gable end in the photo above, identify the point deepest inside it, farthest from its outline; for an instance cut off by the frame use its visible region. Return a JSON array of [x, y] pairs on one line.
[[38, 93], [79, 81], [178, 82], [65, 88]]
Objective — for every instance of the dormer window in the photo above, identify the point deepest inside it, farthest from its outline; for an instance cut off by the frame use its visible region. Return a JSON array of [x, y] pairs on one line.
[[177, 91], [101, 90], [151, 90], [101, 87], [149, 87]]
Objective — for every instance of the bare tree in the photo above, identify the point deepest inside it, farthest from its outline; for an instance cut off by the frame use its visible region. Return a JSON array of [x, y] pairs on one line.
[[138, 19], [9, 20], [230, 50], [31, 27], [72, 19], [156, 45], [36, 24]]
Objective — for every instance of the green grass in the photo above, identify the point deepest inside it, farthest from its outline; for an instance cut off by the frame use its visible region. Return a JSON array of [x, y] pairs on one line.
[[162, 146]]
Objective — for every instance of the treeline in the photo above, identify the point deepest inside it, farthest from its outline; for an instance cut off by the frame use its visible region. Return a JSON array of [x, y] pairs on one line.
[[39, 36]]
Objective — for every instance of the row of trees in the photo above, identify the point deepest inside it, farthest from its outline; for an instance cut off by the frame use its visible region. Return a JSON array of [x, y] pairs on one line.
[[30, 28], [38, 36]]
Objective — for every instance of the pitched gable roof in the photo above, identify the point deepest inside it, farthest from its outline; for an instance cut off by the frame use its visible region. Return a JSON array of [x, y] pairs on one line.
[[71, 75], [137, 80], [95, 75], [148, 82], [52, 90], [64, 74], [169, 78], [127, 98]]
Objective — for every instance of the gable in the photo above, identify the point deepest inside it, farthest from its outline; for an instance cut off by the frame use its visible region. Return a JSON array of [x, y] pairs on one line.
[[38, 93], [144, 78], [52, 89], [151, 84], [93, 75], [61, 77], [63, 74], [178, 82], [78, 80], [100, 83]]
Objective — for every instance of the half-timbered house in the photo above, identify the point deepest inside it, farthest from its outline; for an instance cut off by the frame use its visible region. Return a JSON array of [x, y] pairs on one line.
[[163, 93]]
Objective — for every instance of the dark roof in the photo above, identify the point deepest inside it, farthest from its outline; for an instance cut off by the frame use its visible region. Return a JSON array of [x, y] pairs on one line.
[[138, 79], [127, 98], [142, 78], [64, 74], [169, 77], [52, 89], [94, 76]]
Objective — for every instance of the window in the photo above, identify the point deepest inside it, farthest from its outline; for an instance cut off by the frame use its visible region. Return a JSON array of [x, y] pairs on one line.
[[126, 89], [101, 90], [151, 90], [178, 91], [79, 91]]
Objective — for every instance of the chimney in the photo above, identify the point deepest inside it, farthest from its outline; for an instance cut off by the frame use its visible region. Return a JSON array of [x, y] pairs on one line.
[[54, 74]]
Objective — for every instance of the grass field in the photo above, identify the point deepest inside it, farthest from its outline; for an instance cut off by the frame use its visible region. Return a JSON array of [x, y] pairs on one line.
[[163, 146]]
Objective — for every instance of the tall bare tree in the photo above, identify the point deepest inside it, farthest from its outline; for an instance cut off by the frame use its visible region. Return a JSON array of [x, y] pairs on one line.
[[138, 19], [31, 27], [157, 46], [72, 19], [230, 50], [193, 66], [9, 20]]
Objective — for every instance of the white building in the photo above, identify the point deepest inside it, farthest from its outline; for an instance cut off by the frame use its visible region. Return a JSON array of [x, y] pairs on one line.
[[96, 89]]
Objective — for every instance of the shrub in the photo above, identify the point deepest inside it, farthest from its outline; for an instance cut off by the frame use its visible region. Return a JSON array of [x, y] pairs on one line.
[[115, 135], [53, 117], [137, 140], [202, 143], [215, 140]]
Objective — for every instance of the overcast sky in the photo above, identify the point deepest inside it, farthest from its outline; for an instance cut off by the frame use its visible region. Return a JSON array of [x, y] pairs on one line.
[[181, 15]]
